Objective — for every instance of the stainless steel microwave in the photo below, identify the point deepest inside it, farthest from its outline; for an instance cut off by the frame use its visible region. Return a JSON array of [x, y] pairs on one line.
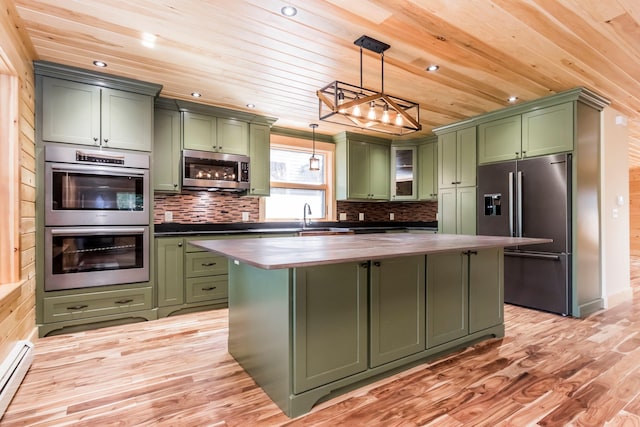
[[214, 171]]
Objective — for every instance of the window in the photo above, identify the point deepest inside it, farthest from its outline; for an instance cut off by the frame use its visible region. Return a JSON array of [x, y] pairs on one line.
[[293, 184]]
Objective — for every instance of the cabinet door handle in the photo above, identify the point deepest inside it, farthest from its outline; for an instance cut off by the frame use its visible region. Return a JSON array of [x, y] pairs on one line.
[[211, 288], [124, 301], [180, 244], [377, 263], [364, 265], [95, 139], [106, 140], [208, 264], [77, 307]]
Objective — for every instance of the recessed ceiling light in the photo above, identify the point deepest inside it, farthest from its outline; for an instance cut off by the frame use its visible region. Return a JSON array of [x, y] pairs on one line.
[[148, 40], [251, 105], [100, 64], [512, 99], [196, 94], [433, 67], [289, 11]]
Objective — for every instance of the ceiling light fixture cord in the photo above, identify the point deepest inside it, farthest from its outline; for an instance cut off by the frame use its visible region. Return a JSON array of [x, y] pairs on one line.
[[360, 67]]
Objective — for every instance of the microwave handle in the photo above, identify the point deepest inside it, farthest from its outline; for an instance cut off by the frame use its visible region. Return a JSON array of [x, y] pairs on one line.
[[112, 170], [91, 231]]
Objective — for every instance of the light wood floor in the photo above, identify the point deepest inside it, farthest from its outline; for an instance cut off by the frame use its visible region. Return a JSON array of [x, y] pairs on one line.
[[548, 370]]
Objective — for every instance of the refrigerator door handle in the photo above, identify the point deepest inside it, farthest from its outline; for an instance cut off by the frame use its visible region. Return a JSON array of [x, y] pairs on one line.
[[532, 255], [511, 204], [519, 205]]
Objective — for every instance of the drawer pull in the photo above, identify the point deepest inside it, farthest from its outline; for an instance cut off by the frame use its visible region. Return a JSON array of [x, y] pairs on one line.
[[77, 307], [211, 288], [208, 264], [124, 301]]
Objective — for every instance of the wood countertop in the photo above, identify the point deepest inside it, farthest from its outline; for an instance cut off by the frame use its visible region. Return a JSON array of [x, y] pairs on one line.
[[291, 252]]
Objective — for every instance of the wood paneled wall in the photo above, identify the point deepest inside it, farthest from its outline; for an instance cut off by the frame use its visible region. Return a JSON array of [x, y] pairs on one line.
[[634, 210], [17, 300]]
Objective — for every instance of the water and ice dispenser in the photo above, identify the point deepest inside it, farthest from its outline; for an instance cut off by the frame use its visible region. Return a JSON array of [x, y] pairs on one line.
[[492, 204]]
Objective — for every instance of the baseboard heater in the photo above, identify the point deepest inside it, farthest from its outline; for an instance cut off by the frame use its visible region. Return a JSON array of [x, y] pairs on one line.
[[13, 370]]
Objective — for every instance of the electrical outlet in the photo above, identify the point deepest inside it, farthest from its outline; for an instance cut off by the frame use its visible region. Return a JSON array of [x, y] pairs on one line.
[[343, 216], [245, 216], [392, 216], [168, 216], [361, 216]]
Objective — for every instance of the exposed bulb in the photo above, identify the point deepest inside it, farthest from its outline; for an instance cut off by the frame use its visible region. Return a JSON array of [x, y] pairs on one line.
[[356, 111], [372, 111], [399, 120], [341, 109], [385, 114]]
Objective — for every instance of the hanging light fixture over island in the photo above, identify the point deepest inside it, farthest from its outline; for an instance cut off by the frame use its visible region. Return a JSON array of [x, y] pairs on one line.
[[351, 105]]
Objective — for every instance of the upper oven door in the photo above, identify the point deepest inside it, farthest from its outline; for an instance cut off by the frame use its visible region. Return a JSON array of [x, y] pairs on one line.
[[77, 194]]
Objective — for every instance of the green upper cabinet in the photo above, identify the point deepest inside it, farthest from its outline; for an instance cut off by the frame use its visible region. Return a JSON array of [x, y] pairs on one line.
[[260, 155], [208, 133], [538, 132], [404, 162], [166, 150], [79, 113], [428, 171], [329, 324], [397, 308], [457, 158], [199, 132], [548, 130], [362, 168], [500, 140]]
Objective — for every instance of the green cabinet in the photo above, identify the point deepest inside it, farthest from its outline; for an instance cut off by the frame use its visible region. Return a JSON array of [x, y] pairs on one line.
[[362, 167], [79, 113], [169, 270], [465, 294], [548, 130], [260, 158], [457, 182], [404, 162], [208, 133], [447, 297], [166, 150], [500, 140], [329, 324], [428, 171], [397, 308], [538, 132]]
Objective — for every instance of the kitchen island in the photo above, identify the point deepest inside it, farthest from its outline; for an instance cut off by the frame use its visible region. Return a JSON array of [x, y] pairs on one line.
[[311, 317]]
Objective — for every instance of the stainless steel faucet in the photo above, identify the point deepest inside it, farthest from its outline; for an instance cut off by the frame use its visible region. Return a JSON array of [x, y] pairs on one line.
[[306, 210]]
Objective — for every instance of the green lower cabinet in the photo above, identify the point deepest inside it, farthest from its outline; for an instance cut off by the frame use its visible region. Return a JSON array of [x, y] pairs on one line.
[[329, 324], [170, 270], [486, 289], [447, 297], [397, 308]]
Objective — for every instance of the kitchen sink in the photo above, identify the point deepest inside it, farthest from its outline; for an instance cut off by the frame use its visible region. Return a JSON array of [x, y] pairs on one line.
[[324, 231]]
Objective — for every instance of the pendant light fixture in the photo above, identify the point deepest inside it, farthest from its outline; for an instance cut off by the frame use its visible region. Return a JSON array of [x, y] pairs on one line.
[[314, 162], [344, 103]]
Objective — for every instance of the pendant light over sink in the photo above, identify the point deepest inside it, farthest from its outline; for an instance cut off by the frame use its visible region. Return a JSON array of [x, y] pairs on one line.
[[351, 105], [314, 162]]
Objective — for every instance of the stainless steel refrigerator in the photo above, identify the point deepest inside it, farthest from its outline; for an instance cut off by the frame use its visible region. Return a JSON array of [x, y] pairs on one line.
[[531, 198]]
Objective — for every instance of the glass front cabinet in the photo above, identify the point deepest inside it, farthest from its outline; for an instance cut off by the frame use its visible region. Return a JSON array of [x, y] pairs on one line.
[[403, 172]]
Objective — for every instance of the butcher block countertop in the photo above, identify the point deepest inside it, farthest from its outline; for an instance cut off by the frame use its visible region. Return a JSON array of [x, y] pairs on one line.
[[291, 252]]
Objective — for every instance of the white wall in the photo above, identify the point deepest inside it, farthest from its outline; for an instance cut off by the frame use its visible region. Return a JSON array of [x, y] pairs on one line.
[[616, 285]]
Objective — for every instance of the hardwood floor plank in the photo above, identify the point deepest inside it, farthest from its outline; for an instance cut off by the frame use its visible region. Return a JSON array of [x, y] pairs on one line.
[[548, 370]]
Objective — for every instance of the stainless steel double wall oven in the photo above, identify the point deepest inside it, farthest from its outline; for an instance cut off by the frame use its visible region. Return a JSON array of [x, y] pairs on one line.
[[97, 216]]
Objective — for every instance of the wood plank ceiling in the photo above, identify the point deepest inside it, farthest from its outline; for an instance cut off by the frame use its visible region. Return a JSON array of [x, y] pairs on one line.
[[245, 51]]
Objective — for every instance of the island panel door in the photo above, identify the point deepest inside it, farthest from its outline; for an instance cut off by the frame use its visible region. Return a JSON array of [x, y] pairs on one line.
[[397, 308], [330, 323]]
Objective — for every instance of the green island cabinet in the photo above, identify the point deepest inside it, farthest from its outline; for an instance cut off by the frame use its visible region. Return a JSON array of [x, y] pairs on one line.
[[166, 151], [457, 181], [428, 170], [94, 109], [208, 133], [541, 131], [319, 329], [362, 167]]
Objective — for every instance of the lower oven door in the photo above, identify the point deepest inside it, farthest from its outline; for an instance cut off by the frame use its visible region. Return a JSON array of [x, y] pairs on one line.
[[82, 257]]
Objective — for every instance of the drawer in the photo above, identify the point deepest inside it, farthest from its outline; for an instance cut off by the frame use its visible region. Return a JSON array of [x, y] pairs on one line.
[[94, 304], [207, 288], [200, 264]]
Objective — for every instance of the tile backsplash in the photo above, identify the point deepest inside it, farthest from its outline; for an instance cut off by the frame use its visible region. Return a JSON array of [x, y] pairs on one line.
[[205, 207], [220, 207]]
